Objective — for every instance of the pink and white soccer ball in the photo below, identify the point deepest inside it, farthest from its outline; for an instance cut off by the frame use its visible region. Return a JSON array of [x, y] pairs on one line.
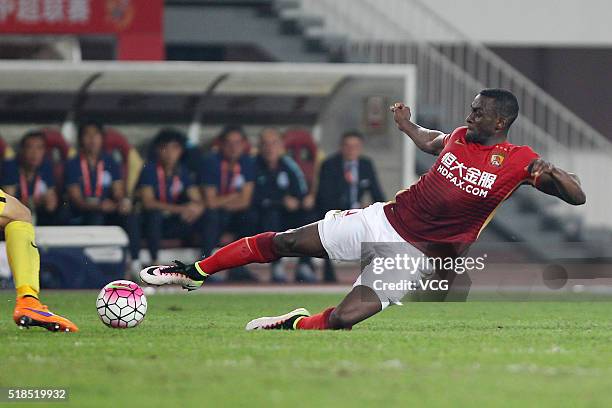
[[121, 304]]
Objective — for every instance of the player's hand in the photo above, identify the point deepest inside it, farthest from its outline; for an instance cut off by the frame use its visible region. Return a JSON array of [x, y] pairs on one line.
[[191, 212], [108, 206], [309, 202], [125, 206], [186, 214], [291, 203], [538, 167], [400, 112], [51, 201]]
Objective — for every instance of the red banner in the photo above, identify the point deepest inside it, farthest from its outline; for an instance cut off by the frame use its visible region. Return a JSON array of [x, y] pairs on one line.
[[138, 23], [80, 16]]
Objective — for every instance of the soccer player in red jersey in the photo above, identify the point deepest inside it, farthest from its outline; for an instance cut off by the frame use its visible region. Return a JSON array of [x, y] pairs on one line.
[[442, 213]]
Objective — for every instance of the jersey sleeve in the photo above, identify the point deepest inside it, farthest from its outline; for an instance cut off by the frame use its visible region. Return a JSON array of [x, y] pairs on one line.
[[113, 168], [147, 176], [248, 168], [46, 174], [526, 157], [210, 173], [10, 173], [453, 135], [186, 178], [297, 182], [446, 139], [73, 172]]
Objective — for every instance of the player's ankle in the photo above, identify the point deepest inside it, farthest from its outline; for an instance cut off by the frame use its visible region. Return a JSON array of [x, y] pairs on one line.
[[27, 296], [198, 270]]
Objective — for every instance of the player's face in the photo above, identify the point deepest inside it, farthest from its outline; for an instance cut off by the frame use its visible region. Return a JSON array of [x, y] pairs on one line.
[[170, 153], [482, 120], [33, 152], [351, 148], [91, 141], [233, 147], [271, 146]]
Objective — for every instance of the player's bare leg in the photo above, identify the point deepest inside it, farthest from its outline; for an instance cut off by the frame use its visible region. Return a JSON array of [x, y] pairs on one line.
[[24, 261], [361, 303]]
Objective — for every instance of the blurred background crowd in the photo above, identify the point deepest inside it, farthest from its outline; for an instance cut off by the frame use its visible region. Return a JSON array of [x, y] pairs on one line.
[[170, 194]]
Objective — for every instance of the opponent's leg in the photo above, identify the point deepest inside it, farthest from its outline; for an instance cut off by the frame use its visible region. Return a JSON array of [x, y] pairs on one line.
[[22, 255], [24, 261], [261, 248]]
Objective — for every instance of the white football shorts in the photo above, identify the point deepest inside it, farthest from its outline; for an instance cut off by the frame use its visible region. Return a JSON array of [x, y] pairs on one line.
[[342, 234]]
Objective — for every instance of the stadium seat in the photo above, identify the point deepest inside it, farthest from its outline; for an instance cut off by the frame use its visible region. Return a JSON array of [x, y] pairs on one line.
[[116, 144], [2, 147], [302, 148]]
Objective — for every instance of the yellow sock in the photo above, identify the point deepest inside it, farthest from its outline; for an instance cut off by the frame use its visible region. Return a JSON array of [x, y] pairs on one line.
[[23, 257]]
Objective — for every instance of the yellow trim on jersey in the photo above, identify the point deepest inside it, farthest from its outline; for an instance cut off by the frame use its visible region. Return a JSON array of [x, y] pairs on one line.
[[72, 152], [9, 153], [2, 201], [490, 217]]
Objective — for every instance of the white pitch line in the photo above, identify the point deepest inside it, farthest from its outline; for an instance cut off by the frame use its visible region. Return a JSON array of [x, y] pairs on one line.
[[258, 289]]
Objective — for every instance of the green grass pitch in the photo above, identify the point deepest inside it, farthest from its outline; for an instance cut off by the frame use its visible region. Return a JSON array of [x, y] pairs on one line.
[[192, 350]]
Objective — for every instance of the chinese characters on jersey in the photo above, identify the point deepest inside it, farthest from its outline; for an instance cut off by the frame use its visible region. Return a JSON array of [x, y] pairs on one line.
[[469, 179]]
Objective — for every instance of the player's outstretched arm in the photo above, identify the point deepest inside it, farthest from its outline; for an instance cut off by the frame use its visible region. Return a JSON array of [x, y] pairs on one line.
[[429, 141], [557, 182]]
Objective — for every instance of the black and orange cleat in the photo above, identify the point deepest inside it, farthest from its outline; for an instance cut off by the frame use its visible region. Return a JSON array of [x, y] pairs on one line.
[[30, 312]]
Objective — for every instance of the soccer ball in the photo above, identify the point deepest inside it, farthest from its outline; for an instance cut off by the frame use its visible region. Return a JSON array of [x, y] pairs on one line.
[[121, 304]]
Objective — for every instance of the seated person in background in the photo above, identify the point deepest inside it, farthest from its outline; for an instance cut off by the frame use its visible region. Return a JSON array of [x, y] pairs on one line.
[[96, 191], [227, 180], [31, 179], [171, 202], [279, 190], [344, 180]]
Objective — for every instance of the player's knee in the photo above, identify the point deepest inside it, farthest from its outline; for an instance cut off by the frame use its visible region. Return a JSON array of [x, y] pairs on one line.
[[21, 213], [285, 242], [340, 318], [14, 210]]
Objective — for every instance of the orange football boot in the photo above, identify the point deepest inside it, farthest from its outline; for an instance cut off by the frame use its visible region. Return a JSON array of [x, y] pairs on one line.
[[30, 312]]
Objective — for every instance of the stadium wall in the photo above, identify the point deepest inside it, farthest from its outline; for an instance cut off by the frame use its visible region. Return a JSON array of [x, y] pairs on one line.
[[235, 26], [579, 77], [346, 111], [594, 169], [527, 22]]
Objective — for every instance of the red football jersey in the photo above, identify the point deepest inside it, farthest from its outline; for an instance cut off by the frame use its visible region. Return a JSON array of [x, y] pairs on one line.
[[457, 197]]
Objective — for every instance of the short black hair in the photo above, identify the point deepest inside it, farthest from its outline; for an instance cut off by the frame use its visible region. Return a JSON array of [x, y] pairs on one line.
[[506, 104], [231, 129], [352, 133], [32, 134], [169, 135], [87, 123]]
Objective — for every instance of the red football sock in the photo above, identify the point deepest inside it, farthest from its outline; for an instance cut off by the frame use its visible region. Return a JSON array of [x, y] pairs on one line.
[[258, 248], [319, 321]]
